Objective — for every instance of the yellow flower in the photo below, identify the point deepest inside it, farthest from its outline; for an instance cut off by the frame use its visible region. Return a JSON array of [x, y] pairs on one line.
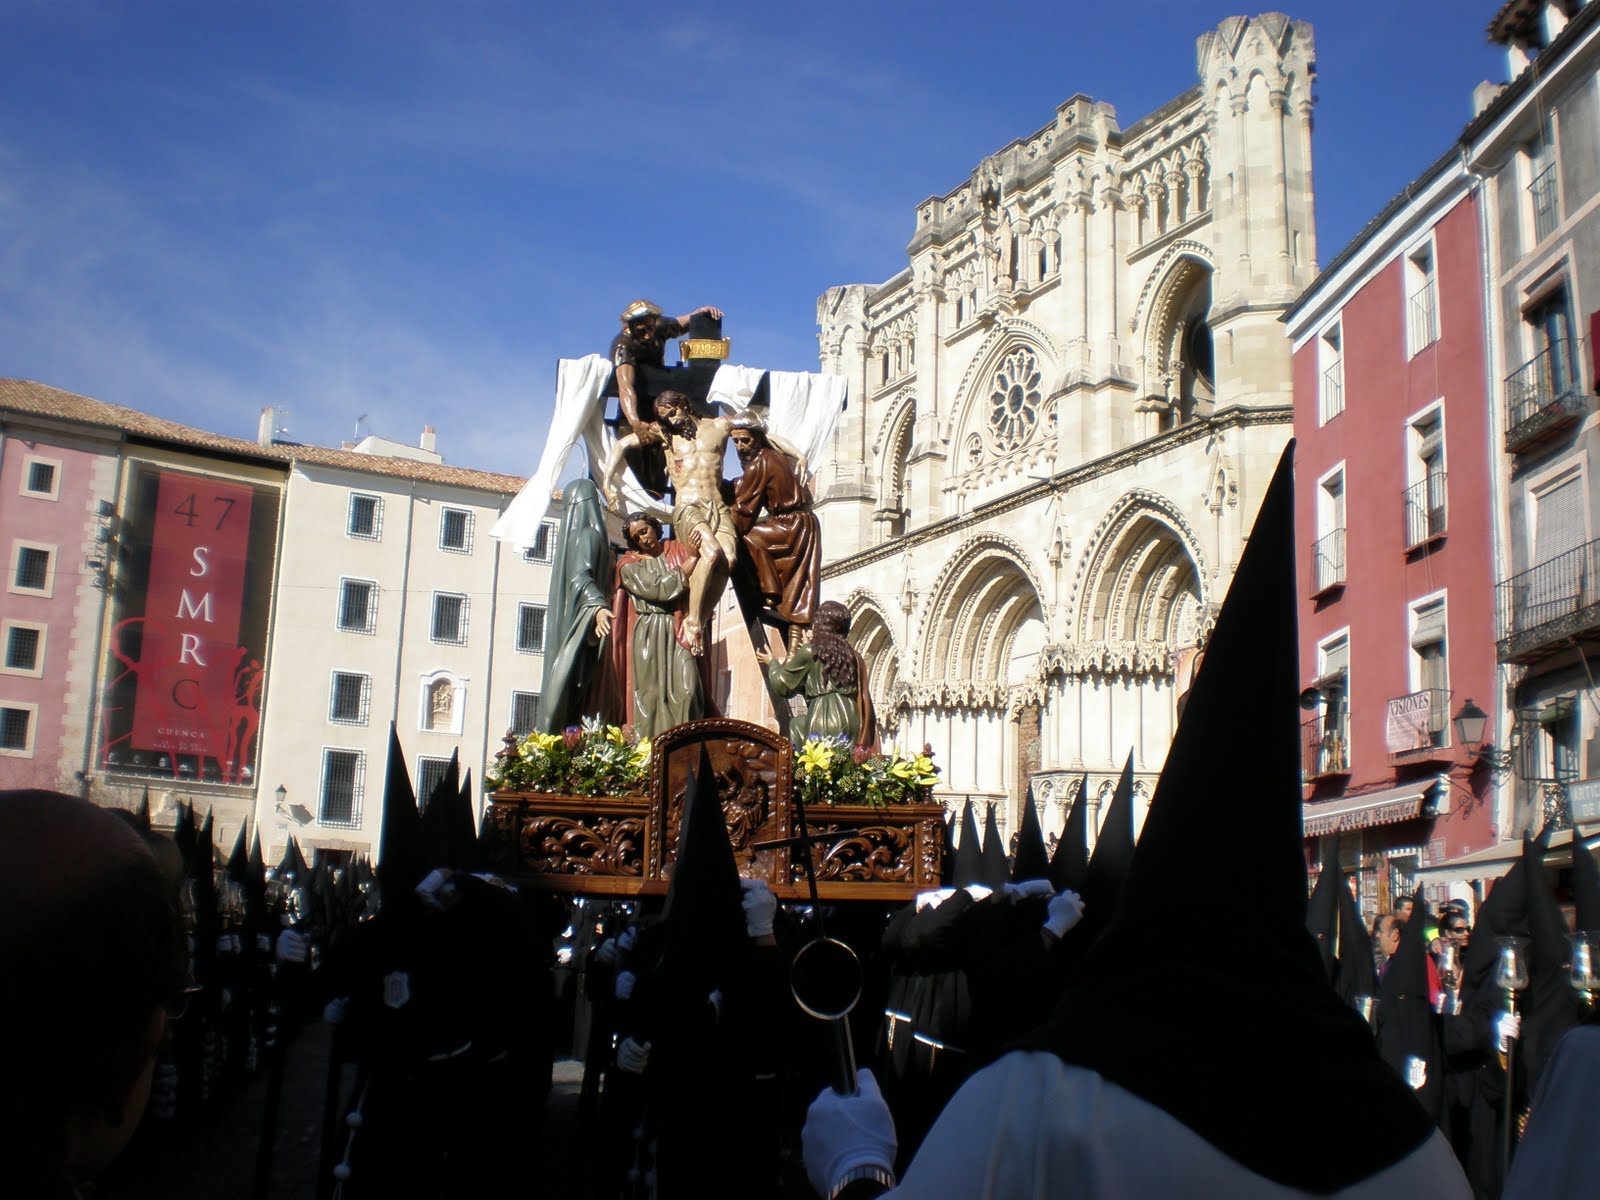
[[542, 742], [614, 735], [901, 769], [641, 752], [816, 756]]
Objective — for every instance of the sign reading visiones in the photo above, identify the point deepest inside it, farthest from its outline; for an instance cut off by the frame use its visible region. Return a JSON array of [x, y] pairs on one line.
[[183, 697]]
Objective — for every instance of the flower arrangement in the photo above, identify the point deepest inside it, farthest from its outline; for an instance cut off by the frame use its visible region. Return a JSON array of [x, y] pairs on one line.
[[582, 760], [832, 771]]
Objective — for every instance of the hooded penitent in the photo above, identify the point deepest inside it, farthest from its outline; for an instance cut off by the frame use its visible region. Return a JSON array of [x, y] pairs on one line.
[[463, 835], [1406, 1029], [1032, 862], [996, 871], [1585, 887], [1322, 915], [1210, 1020], [1107, 872], [1354, 975], [1550, 1006], [436, 816], [402, 858], [580, 587], [1071, 859], [969, 854]]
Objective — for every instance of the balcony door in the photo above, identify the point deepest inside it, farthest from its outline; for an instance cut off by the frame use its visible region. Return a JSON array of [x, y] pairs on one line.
[[1557, 583]]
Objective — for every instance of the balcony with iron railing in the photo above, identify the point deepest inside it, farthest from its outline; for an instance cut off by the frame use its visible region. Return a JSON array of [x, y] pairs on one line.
[[1545, 605], [1326, 748], [1418, 726], [1546, 208], [1423, 316], [1544, 396], [1332, 396], [1327, 563], [1425, 511]]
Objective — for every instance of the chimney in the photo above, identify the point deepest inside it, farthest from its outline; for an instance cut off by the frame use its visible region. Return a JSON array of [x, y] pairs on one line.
[[429, 440], [266, 428]]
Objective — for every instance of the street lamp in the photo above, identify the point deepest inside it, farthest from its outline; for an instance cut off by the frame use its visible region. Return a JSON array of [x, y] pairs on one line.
[[1471, 724], [281, 795]]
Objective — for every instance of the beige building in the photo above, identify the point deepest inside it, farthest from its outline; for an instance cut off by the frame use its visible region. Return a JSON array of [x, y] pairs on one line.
[[1064, 412]]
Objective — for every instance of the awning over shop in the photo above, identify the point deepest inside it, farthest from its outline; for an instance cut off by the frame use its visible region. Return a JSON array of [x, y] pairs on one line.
[[1496, 860], [1387, 807]]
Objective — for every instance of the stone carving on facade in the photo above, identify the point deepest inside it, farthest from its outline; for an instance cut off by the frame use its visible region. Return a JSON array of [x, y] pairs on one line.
[[1107, 536]]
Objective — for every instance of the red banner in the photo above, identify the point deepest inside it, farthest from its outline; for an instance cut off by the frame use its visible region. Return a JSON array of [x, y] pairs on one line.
[[192, 672]]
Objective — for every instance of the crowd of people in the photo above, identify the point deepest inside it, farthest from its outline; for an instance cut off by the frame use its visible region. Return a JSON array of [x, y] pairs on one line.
[[1041, 1026]]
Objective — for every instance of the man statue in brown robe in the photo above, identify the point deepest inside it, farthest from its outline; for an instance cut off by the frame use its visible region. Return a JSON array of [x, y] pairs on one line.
[[780, 538]]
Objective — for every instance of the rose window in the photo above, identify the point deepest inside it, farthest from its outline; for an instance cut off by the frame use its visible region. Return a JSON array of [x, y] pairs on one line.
[[1014, 400]]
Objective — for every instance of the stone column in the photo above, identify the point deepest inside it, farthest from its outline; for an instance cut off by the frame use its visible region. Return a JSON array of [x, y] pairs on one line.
[[1110, 203], [1276, 133]]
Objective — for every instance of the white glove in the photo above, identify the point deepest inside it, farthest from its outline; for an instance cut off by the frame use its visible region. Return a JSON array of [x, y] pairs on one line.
[[760, 906], [1416, 1073], [428, 890], [228, 943], [1507, 1029], [334, 1012], [625, 982], [1029, 887], [607, 953], [933, 899], [714, 999], [1064, 911], [633, 1056], [979, 892], [293, 947], [843, 1134], [630, 935]]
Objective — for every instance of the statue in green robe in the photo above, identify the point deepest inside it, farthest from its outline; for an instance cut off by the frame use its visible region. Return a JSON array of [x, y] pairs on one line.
[[580, 610], [664, 678], [831, 675]]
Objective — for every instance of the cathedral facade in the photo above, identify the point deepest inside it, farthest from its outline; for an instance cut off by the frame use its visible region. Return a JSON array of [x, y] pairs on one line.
[[1064, 412]]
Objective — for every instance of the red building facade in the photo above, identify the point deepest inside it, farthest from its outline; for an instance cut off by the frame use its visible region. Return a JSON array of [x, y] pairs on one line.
[[1394, 517]]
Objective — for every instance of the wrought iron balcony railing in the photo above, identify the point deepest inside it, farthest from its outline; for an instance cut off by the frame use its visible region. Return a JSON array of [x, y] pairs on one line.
[[1543, 397], [1555, 600], [1332, 392], [1546, 208], [1327, 563], [1424, 316], [1326, 747], [1425, 510]]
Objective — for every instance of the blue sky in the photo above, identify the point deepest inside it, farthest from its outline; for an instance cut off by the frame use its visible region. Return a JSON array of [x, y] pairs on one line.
[[410, 210]]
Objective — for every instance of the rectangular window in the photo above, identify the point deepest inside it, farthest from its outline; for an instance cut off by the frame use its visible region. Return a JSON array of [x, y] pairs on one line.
[[449, 619], [1329, 747], [543, 542], [350, 698], [343, 781], [1430, 669], [366, 517], [23, 648], [455, 530], [16, 729], [430, 774], [1422, 291], [530, 628], [358, 605], [1330, 357], [524, 713], [1327, 555], [40, 478]]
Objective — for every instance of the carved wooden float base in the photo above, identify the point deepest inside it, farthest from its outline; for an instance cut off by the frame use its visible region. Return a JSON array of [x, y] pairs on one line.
[[626, 845]]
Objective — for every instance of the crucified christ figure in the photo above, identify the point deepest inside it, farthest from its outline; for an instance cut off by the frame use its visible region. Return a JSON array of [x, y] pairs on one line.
[[695, 447]]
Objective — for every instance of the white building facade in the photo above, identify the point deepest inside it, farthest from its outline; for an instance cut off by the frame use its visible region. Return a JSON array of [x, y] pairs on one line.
[[1064, 413]]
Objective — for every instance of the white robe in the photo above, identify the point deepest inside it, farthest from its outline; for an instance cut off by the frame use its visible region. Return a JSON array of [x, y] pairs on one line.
[[1030, 1127]]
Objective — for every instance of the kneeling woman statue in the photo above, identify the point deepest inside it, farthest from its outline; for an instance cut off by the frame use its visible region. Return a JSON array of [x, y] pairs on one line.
[[833, 679]]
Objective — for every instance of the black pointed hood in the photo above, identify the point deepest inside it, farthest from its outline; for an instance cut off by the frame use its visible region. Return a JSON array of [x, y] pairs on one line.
[[184, 834], [969, 854], [1354, 974], [239, 859], [704, 912], [1071, 861], [402, 861], [996, 871], [255, 883], [293, 863], [1224, 826], [435, 813], [463, 833], [1551, 1004], [1585, 886], [143, 811], [947, 866], [1107, 872], [1033, 861], [1322, 911]]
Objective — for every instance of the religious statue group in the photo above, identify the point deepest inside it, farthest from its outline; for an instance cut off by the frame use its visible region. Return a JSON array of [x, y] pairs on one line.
[[630, 606]]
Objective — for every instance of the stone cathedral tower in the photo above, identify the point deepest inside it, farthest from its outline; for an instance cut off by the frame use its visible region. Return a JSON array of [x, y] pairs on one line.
[[1064, 412]]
